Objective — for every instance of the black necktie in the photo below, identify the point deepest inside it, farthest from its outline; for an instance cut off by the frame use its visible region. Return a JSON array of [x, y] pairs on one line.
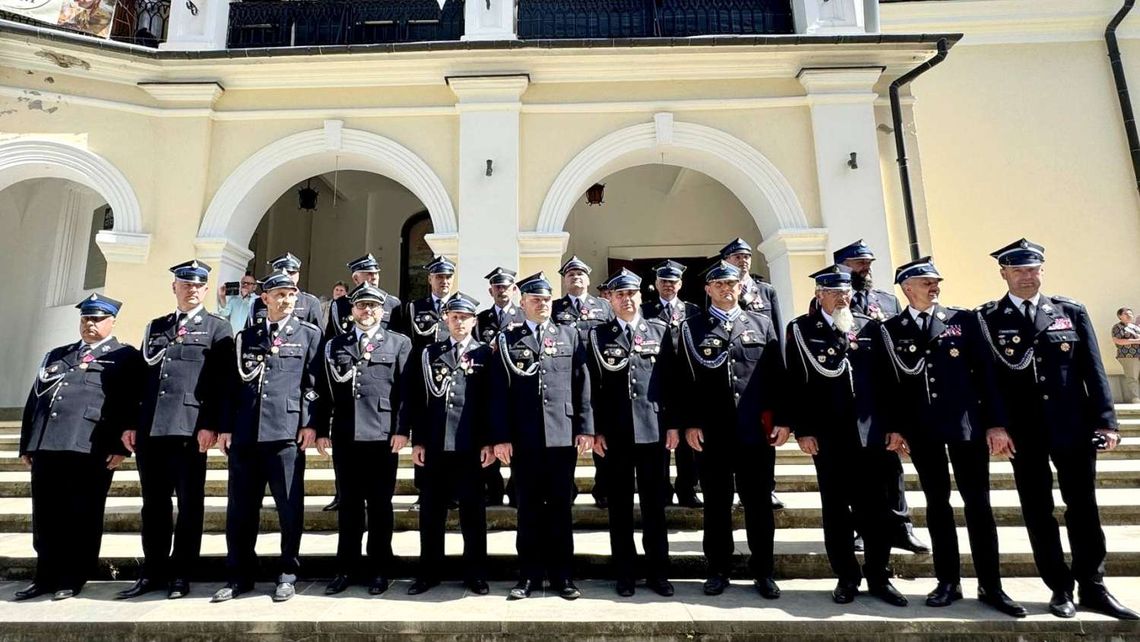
[[501, 314], [1027, 310], [629, 333], [179, 319], [922, 319], [363, 341], [455, 348], [273, 329]]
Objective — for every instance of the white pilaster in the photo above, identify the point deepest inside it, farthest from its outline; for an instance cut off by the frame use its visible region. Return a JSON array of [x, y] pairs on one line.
[[789, 254], [206, 30], [489, 20], [228, 258], [835, 17], [488, 204], [842, 103]]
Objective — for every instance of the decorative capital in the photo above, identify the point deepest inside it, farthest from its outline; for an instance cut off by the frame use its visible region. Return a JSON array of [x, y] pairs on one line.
[[793, 242], [184, 94], [543, 244], [123, 247]]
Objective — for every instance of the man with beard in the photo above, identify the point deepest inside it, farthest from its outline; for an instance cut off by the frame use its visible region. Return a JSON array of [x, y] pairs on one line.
[[501, 316], [942, 399], [1060, 410], [577, 309], [422, 319], [307, 307], [733, 366], [449, 412], [880, 306], [189, 355], [268, 425], [670, 309], [631, 368], [364, 376], [72, 444], [365, 269], [830, 354], [540, 360]]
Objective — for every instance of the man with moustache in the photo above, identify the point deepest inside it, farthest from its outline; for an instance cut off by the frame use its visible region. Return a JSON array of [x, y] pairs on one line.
[[268, 425], [671, 310], [941, 406], [189, 356], [364, 376], [1051, 378], [732, 363], [577, 309], [541, 361], [307, 307], [880, 306], [449, 413], [85, 395], [830, 355], [365, 269], [631, 368], [501, 316]]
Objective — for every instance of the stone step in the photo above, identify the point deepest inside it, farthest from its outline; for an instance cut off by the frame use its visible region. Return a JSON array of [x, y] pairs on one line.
[[798, 553], [805, 611], [1114, 473], [1118, 507]]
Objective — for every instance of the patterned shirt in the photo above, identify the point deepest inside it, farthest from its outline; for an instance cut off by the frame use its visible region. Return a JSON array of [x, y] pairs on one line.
[[1126, 331]]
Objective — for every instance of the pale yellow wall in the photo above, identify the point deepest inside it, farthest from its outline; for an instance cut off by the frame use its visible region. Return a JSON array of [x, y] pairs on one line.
[[1026, 140]]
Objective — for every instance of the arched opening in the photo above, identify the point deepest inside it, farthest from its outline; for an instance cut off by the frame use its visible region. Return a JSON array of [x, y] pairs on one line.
[[50, 261], [355, 213]]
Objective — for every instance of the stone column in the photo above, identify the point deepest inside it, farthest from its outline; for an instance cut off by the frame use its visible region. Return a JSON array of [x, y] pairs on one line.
[[842, 103], [489, 20], [791, 256], [835, 17], [488, 176], [202, 28]]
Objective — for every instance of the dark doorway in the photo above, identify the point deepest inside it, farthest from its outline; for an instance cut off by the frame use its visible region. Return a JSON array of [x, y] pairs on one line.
[[691, 288], [415, 253]]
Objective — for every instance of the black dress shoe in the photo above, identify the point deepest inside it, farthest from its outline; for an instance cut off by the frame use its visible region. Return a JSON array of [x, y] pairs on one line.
[[907, 541], [767, 588], [378, 586], [422, 586], [568, 591], [478, 587], [230, 591], [64, 594], [338, 585], [690, 501], [333, 505], [1061, 604], [945, 594], [602, 502], [625, 588], [857, 543], [284, 592], [776, 503], [521, 590], [716, 585], [844, 593], [664, 588], [33, 590], [888, 593], [1101, 601], [1000, 601], [142, 586], [177, 589]]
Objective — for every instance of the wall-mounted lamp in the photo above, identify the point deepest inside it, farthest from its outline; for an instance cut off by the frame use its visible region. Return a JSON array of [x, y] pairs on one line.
[[489, 169], [307, 197], [595, 194], [853, 162]]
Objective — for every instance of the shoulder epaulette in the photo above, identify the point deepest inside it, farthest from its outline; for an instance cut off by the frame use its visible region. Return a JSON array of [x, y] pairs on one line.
[[1064, 299]]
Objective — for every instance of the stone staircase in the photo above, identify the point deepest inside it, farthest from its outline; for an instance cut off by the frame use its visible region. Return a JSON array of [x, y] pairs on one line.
[[799, 541]]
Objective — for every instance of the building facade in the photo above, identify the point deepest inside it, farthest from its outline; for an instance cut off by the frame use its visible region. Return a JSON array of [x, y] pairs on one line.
[[479, 136]]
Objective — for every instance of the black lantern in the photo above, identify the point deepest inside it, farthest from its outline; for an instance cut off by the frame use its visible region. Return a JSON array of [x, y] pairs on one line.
[[595, 194], [307, 197]]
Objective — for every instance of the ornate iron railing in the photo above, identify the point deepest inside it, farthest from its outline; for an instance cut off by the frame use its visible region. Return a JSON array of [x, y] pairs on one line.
[[559, 19], [299, 23]]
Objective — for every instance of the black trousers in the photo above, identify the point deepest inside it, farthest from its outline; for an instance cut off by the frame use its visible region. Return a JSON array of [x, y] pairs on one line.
[[686, 482], [1076, 475], [625, 462], [544, 484], [281, 464], [493, 487], [971, 461], [69, 495], [749, 469], [368, 481], [899, 523], [171, 465], [853, 492], [448, 475]]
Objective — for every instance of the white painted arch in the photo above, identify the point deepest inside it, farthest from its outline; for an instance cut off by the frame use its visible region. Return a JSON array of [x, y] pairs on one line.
[[27, 158], [748, 174], [245, 196]]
